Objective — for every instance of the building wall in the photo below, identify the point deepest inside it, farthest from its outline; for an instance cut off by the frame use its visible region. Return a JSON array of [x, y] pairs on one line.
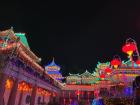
[[25, 94], [36, 99], [47, 98], [17, 97], [6, 95]]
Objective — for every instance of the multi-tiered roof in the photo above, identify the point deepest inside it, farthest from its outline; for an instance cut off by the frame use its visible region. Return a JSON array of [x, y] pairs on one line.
[[54, 70]]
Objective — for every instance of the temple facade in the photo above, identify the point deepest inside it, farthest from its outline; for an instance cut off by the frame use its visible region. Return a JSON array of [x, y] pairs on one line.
[[112, 79], [85, 78], [22, 80]]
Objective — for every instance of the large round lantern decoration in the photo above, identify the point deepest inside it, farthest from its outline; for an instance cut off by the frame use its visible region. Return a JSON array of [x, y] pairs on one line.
[[108, 71], [129, 48], [115, 62]]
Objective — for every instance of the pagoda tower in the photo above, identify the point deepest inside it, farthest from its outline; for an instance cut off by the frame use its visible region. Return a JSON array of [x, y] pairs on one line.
[[54, 70]]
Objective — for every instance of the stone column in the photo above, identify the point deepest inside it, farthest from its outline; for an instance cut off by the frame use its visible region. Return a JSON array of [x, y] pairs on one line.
[[33, 95], [12, 97], [3, 78], [43, 98], [20, 99]]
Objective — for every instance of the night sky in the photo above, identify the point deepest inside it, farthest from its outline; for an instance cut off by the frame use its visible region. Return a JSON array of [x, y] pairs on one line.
[[77, 34]]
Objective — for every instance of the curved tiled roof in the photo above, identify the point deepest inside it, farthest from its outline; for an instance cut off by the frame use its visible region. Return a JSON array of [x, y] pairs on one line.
[[52, 64], [23, 53]]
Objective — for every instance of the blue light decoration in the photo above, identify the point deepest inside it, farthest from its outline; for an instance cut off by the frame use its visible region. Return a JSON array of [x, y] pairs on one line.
[[97, 101], [54, 70], [128, 91]]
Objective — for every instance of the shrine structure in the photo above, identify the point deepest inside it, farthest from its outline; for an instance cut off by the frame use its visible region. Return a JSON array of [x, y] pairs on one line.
[[22, 80], [110, 79], [54, 71]]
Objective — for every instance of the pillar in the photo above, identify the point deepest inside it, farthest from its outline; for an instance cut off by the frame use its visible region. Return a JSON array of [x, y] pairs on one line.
[[33, 95], [43, 98], [20, 99], [12, 97], [3, 79]]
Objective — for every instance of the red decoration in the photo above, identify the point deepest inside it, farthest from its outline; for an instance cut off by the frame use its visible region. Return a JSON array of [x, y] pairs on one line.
[[1, 41], [129, 48], [102, 76], [108, 70], [115, 62], [9, 83], [77, 92], [23, 86], [138, 62]]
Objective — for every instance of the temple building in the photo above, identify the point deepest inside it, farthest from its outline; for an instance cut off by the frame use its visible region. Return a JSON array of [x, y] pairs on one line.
[[24, 82], [22, 79], [85, 78], [73, 79], [54, 70]]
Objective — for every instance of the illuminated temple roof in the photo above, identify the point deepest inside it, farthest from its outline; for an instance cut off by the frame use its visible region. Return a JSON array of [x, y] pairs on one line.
[[54, 70], [52, 66], [23, 38], [10, 40], [87, 74]]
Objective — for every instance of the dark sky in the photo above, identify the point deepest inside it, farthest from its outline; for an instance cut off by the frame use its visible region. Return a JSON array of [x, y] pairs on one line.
[[77, 34]]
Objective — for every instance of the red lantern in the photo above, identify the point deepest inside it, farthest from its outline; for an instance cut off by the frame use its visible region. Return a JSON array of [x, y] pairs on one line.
[[96, 93], [138, 62], [77, 92], [102, 76], [1, 41], [108, 70], [9, 83], [129, 48], [115, 62]]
